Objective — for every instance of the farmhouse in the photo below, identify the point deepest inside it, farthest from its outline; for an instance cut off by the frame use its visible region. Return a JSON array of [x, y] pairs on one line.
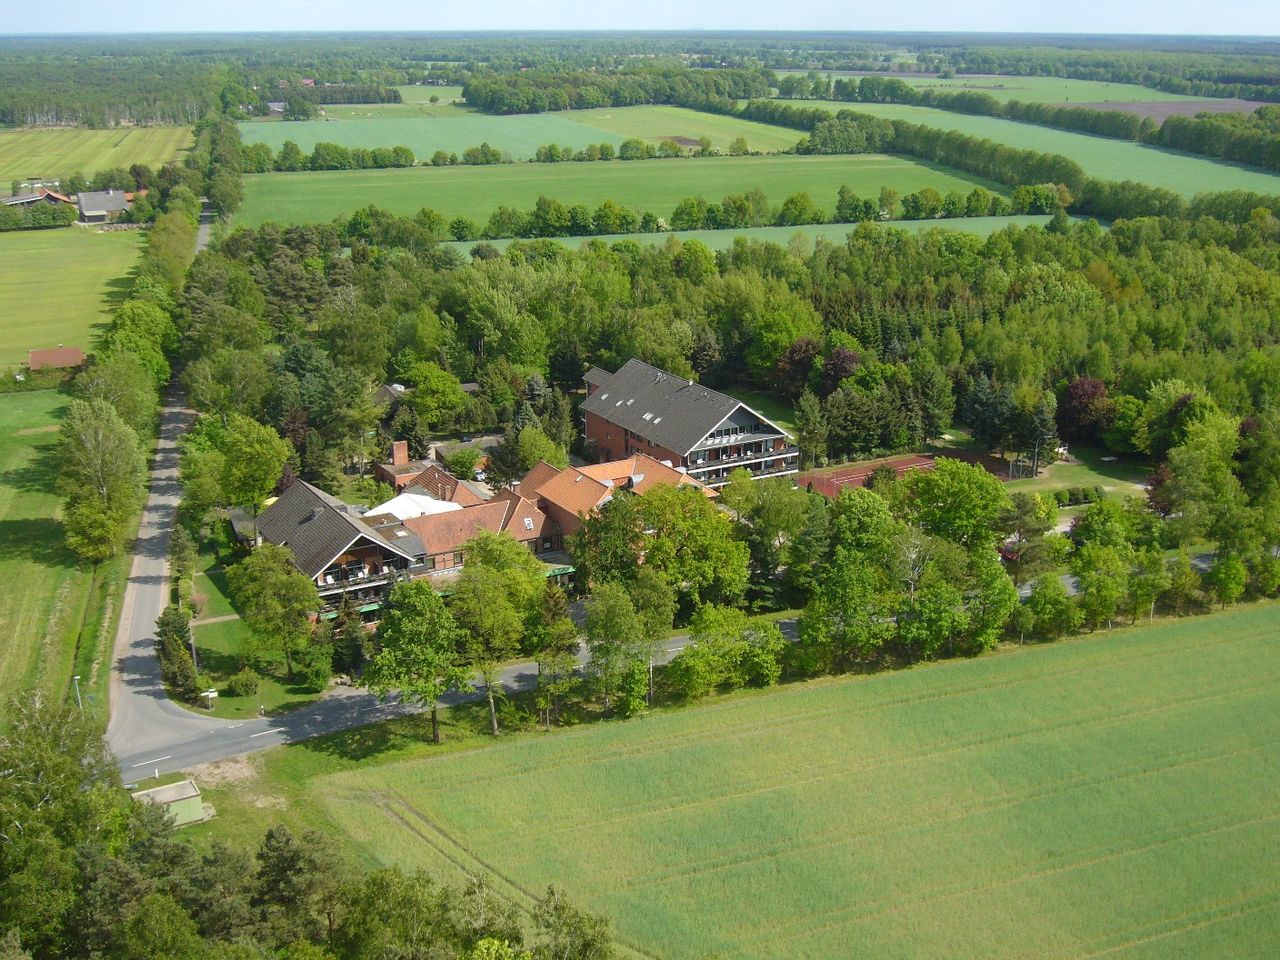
[[641, 409], [38, 196], [102, 206], [357, 556], [55, 358], [570, 495]]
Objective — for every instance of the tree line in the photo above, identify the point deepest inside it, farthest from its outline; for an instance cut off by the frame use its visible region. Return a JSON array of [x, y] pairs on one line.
[[258, 158], [538, 91]]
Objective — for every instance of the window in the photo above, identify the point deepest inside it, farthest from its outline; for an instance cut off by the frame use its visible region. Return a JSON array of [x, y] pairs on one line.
[[528, 523], [457, 558], [431, 563], [546, 543]]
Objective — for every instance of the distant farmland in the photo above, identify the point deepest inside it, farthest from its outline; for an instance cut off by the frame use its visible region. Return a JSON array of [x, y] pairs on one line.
[[62, 151], [1100, 156], [1027, 89], [425, 128], [1106, 796], [656, 185]]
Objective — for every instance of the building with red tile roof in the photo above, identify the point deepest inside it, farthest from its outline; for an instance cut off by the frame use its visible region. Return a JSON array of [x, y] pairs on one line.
[[55, 358], [568, 496]]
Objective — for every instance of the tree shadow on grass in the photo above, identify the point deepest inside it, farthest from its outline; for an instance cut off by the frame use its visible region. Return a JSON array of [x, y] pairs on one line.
[[39, 541], [460, 722]]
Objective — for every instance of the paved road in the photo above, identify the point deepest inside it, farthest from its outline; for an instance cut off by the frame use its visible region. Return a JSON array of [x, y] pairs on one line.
[[157, 735]]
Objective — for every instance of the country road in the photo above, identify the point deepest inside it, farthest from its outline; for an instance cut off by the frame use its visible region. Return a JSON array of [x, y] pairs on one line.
[[161, 736]]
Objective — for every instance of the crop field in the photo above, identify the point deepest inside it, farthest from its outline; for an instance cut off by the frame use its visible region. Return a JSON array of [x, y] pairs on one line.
[[62, 151], [1107, 796], [425, 128], [656, 185], [832, 232], [1100, 157], [655, 123], [56, 286], [48, 599], [1027, 89]]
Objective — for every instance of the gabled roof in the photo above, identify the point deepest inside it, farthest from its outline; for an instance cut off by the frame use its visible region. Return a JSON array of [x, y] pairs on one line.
[[523, 520], [446, 532], [439, 483], [316, 527], [102, 201], [574, 492], [55, 357], [642, 473], [673, 412]]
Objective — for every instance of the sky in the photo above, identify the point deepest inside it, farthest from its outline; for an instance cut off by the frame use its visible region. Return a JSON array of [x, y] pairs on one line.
[[1226, 17]]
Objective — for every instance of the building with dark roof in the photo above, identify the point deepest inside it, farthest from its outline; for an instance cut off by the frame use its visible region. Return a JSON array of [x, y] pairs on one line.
[[641, 409], [358, 556], [101, 206]]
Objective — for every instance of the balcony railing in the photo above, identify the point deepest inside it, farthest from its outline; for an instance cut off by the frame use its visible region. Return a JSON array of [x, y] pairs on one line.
[[787, 451]]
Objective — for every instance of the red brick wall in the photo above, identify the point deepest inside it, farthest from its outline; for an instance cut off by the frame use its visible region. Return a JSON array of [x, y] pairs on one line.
[[611, 442]]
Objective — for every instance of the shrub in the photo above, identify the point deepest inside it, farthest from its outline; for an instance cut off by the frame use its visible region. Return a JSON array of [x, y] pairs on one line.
[[244, 684], [1061, 497]]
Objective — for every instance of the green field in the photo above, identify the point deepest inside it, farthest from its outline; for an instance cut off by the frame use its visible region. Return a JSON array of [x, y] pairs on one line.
[[49, 601], [56, 286], [1027, 89], [833, 232], [61, 151], [1122, 478], [425, 128], [414, 93], [1100, 157], [656, 123], [449, 128], [656, 185], [219, 646], [1111, 796]]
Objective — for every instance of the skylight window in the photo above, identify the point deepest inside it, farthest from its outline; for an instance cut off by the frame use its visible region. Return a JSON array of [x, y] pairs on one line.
[[657, 419], [528, 523], [604, 396], [648, 416]]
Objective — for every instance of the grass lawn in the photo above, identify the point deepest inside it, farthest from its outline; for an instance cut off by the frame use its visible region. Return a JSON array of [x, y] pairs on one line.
[[1122, 478], [57, 286], [656, 185], [833, 232], [218, 647], [1110, 795], [1027, 89], [62, 151], [779, 411], [52, 609], [1102, 157]]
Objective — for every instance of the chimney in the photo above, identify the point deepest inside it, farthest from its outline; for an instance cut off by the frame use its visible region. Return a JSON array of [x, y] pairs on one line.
[[400, 453]]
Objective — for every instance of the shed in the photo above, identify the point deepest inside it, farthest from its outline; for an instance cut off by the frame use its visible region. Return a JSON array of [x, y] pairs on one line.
[[55, 358], [181, 801]]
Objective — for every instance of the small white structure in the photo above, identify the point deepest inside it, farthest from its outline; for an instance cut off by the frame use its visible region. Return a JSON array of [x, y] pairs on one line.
[[406, 506]]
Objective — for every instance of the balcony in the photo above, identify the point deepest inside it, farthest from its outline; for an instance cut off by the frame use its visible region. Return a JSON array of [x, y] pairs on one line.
[[725, 459]]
